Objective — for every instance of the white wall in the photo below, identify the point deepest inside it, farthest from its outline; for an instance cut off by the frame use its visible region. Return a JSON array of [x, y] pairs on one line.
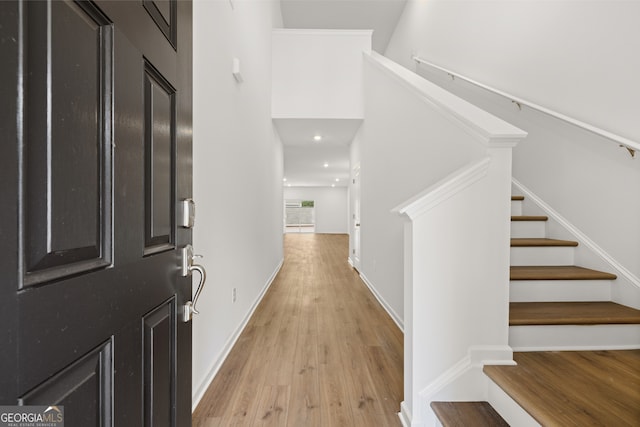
[[237, 162], [577, 57], [399, 158], [318, 73], [330, 206]]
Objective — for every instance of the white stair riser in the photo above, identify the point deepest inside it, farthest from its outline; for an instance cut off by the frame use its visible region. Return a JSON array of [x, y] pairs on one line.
[[574, 337], [542, 255], [516, 207], [508, 408], [559, 290], [528, 229]]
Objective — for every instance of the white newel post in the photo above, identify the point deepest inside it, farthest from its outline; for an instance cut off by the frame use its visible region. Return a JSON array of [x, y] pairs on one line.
[[456, 282]]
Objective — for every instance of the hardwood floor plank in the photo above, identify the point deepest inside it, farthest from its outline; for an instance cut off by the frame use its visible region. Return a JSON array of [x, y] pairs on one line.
[[382, 366], [272, 409], [318, 351], [304, 410], [334, 405], [361, 390], [207, 422], [224, 384]]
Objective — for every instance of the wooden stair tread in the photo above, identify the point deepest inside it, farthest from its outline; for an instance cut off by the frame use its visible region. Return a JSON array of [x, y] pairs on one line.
[[520, 242], [571, 313], [557, 272], [465, 414], [517, 197], [574, 388], [529, 218]]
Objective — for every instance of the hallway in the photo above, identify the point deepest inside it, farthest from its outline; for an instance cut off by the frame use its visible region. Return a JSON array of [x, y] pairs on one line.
[[318, 351]]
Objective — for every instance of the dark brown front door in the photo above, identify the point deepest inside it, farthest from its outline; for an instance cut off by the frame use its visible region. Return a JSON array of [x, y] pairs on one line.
[[95, 103]]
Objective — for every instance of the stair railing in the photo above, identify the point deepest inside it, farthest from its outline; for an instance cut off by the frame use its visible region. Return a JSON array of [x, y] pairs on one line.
[[631, 146]]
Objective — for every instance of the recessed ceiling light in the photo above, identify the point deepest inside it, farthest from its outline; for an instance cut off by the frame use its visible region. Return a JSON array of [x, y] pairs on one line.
[[317, 138], [326, 165], [337, 179], [288, 185], [333, 185], [284, 179]]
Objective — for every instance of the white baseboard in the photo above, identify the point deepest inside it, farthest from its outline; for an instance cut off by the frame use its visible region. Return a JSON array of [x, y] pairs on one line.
[[476, 358], [404, 415], [383, 302], [217, 364], [463, 381]]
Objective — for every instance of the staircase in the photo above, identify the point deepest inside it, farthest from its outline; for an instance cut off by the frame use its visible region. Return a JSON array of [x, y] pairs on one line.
[[577, 356]]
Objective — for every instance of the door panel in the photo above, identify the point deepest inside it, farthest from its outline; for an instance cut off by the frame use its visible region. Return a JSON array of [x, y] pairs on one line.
[[84, 389], [163, 13], [98, 151], [159, 357], [159, 113], [68, 157]]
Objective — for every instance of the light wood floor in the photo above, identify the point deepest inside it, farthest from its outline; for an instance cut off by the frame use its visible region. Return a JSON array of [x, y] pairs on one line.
[[318, 351]]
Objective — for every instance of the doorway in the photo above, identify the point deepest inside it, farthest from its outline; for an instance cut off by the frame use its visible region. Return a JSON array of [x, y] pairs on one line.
[[299, 216]]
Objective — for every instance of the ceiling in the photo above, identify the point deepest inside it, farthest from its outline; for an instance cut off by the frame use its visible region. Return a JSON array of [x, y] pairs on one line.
[[381, 16], [304, 159]]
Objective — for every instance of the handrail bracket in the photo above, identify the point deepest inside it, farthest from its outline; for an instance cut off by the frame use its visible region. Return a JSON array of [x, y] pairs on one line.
[[631, 151]]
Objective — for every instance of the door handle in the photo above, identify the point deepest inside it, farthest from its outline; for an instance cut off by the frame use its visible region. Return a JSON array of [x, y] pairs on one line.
[[188, 266]]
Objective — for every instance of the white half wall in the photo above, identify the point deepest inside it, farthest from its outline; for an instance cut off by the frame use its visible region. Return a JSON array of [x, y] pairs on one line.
[[237, 159], [406, 146], [576, 57], [318, 73], [330, 206]]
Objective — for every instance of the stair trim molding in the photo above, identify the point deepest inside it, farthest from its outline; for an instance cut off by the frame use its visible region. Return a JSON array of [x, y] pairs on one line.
[[444, 189], [468, 371], [447, 377], [579, 235]]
